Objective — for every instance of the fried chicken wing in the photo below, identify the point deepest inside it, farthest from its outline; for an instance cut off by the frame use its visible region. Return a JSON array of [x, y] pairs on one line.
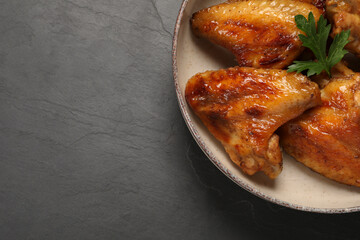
[[344, 15], [242, 107], [320, 4], [327, 138], [260, 33]]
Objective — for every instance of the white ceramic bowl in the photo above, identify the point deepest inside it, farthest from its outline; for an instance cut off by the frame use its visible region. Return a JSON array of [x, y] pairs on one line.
[[297, 186]]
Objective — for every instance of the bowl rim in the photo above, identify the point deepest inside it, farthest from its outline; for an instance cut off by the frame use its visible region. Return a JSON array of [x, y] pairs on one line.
[[211, 156]]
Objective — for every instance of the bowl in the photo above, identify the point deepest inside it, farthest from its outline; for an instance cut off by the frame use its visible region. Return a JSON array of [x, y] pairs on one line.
[[297, 186]]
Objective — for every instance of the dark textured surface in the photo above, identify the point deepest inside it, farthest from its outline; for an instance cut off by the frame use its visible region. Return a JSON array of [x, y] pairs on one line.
[[92, 142]]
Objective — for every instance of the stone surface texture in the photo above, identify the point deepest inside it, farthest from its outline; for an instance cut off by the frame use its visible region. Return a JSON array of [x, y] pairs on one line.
[[92, 142]]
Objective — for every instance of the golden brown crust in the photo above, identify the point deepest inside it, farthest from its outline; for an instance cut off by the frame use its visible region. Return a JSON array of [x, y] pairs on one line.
[[242, 107], [319, 4], [327, 138], [344, 15], [260, 33]]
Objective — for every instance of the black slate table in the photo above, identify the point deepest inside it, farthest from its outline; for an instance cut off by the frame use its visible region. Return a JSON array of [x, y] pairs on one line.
[[92, 142]]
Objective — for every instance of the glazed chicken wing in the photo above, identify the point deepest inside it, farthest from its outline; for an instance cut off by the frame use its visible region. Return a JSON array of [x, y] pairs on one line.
[[344, 15], [242, 107], [327, 138], [320, 4], [260, 33]]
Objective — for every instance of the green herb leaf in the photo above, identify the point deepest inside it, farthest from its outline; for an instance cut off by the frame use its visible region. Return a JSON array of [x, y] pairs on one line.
[[337, 51], [316, 39], [311, 66]]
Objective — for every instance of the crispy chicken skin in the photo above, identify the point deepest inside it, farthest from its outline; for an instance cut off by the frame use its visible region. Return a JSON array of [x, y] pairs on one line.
[[260, 33], [327, 138], [320, 4], [344, 15], [242, 107]]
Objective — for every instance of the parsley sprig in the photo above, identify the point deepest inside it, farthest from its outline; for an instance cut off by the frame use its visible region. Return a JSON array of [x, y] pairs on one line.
[[316, 39]]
